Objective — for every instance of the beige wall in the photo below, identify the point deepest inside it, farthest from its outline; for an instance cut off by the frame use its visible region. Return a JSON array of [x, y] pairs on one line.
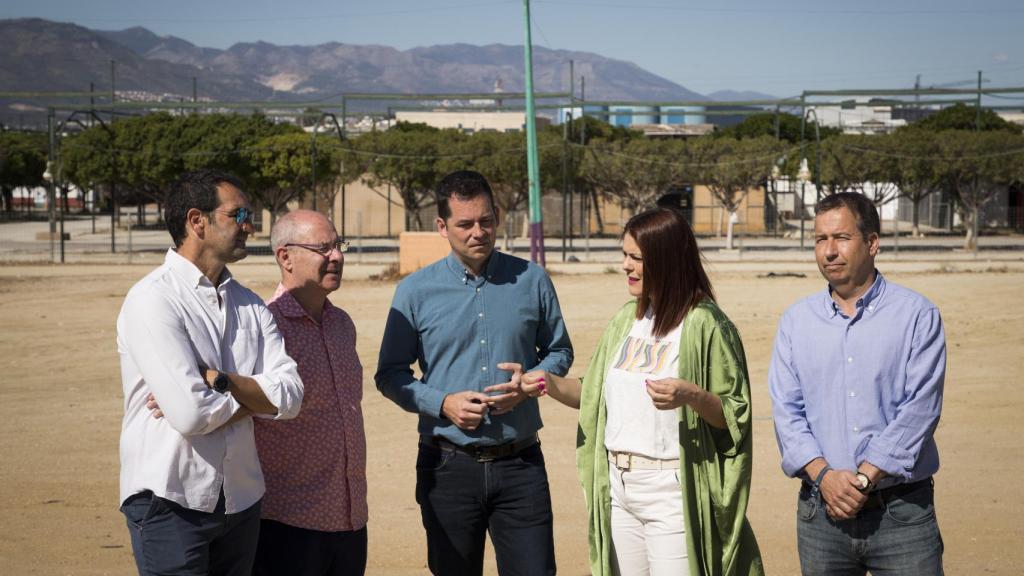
[[366, 211], [366, 214], [418, 249], [708, 216]]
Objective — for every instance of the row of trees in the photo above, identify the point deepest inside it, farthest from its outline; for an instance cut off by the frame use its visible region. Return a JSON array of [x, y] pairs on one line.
[[142, 156]]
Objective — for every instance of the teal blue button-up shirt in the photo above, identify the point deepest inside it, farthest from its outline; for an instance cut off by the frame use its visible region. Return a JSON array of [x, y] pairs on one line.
[[458, 327]]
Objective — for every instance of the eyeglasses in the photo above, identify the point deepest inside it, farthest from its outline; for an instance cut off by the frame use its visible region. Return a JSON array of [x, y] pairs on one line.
[[242, 216], [324, 249]]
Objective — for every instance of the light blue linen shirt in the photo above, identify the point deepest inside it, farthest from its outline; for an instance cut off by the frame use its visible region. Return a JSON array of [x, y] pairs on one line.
[[860, 388], [458, 327]]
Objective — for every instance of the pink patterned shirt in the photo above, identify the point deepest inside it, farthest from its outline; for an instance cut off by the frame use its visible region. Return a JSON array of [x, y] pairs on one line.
[[315, 465]]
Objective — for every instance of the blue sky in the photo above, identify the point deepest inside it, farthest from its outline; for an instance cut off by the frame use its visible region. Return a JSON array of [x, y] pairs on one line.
[[777, 47]]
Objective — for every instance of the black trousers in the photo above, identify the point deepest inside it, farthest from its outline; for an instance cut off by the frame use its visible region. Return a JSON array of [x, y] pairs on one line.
[[170, 539], [287, 550], [461, 500]]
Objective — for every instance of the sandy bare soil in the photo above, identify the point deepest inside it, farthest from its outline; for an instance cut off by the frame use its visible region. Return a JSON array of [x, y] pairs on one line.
[[60, 416]]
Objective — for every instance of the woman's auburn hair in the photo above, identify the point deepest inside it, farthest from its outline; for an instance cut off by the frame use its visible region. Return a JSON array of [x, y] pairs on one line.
[[674, 280]]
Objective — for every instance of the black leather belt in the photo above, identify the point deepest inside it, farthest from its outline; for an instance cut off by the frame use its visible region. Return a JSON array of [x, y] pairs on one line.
[[879, 498], [481, 453]]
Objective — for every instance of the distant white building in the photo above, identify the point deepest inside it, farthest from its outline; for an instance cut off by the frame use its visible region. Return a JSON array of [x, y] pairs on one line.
[[1014, 117], [470, 121], [858, 118]]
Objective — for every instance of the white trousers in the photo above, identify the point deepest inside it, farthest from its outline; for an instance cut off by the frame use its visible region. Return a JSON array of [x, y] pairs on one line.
[[648, 533]]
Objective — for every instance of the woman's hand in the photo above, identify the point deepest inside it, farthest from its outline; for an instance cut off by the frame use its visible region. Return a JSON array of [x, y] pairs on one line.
[[535, 384], [671, 393]]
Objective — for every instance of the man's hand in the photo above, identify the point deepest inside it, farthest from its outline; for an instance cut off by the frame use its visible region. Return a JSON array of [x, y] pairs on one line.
[[157, 413], [511, 392], [465, 409], [840, 490], [154, 407]]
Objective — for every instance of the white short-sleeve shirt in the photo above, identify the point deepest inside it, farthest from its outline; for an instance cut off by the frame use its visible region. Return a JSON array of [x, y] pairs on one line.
[[634, 425]]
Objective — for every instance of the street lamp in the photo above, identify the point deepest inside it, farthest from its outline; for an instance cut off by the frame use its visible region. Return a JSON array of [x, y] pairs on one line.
[[48, 177], [776, 174], [341, 137], [804, 176]]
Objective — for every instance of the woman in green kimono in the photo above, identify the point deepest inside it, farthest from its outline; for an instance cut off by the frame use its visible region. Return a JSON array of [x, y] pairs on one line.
[[664, 442]]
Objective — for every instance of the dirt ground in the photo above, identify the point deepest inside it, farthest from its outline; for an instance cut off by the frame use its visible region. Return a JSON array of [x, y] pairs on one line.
[[61, 406]]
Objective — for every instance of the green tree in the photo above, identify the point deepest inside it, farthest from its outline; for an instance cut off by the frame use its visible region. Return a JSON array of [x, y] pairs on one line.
[[788, 125], [731, 168], [225, 141], [349, 163], [963, 117], [150, 155], [975, 168], [914, 156], [90, 160], [582, 132], [849, 165], [501, 158], [282, 170], [634, 172], [22, 163], [406, 157]]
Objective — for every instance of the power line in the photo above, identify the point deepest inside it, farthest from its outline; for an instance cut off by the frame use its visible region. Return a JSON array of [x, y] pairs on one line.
[[310, 18], [773, 156], [796, 11], [934, 158], [71, 144]]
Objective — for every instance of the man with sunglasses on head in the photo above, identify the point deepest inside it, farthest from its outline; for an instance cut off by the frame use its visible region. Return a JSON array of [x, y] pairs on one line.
[[202, 354], [314, 512]]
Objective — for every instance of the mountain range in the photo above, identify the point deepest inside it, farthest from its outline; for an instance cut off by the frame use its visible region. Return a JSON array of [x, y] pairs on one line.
[[44, 55]]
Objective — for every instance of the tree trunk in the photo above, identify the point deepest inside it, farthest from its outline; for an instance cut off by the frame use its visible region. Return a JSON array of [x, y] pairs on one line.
[[970, 216], [597, 212], [915, 230], [273, 219], [728, 235], [510, 221]]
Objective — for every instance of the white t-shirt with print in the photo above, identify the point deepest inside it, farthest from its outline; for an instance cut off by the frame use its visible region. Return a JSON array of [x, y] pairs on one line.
[[634, 425]]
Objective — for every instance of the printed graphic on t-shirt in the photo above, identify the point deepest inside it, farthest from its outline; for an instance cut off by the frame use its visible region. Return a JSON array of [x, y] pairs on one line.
[[644, 355]]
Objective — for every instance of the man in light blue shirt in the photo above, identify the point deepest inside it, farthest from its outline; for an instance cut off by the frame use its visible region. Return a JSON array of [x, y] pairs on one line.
[[856, 383], [469, 320]]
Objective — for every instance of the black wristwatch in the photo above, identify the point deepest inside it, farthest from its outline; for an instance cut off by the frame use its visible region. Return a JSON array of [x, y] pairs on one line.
[[221, 383]]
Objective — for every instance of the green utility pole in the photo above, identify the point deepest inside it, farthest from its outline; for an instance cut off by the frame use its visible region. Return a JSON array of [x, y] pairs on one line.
[[532, 162], [977, 108]]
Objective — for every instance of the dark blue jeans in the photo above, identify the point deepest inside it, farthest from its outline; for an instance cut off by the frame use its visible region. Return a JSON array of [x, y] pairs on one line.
[[291, 551], [170, 539], [462, 499], [900, 537]]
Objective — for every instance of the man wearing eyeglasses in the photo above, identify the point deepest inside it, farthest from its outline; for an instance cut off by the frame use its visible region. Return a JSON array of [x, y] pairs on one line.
[[204, 354], [314, 512]]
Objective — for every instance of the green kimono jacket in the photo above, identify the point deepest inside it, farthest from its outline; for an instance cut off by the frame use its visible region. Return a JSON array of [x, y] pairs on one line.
[[715, 464]]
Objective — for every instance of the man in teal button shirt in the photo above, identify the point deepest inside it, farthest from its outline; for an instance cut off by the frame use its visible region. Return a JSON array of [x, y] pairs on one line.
[[466, 320]]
